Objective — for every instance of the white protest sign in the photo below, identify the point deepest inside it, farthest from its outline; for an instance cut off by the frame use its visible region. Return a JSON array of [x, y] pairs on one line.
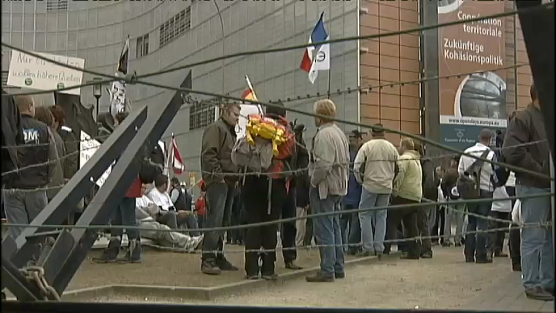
[[87, 148], [246, 110], [26, 71]]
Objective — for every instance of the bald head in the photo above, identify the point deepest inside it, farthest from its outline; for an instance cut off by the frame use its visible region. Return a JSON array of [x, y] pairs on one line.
[[25, 104]]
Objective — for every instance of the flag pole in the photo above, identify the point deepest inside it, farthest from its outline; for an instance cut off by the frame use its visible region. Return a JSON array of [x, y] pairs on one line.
[[329, 52]]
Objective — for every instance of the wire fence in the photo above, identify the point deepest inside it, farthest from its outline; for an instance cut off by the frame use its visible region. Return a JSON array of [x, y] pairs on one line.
[[133, 78]]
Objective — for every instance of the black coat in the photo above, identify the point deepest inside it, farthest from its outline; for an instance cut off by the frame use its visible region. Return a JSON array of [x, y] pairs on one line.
[[12, 136]]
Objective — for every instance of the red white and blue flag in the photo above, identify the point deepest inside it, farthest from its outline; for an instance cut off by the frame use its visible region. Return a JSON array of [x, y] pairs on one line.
[[317, 57]]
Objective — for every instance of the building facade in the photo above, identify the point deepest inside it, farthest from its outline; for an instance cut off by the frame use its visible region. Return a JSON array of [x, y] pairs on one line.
[[167, 34]]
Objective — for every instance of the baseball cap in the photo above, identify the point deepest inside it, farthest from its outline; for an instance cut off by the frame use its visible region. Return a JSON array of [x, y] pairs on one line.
[[356, 134]]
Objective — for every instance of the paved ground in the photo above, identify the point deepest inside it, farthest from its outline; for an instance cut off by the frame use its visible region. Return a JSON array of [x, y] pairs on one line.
[[170, 269], [439, 283]]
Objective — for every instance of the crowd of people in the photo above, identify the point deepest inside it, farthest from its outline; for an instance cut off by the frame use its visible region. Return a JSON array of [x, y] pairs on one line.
[[399, 192]]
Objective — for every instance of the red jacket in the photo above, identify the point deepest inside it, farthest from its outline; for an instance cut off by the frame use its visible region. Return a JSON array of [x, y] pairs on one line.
[[134, 190], [200, 206]]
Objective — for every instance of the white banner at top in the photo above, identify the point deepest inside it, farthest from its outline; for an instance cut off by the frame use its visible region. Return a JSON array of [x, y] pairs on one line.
[[27, 71]]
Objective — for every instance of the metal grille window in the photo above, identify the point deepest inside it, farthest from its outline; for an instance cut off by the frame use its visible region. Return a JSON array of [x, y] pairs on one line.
[[142, 47], [56, 5], [175, 26], [201, 113]]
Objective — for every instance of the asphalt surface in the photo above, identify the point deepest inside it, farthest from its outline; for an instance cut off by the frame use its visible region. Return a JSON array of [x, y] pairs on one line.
[[443, 282]]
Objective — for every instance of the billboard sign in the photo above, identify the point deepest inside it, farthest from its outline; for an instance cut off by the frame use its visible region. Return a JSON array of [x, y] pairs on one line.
[[471, 102]]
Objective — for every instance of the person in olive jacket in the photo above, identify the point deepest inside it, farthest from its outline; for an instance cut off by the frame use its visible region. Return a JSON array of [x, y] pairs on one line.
[[216, 161]]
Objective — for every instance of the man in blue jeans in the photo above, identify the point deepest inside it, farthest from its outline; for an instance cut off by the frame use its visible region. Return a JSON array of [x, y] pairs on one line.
[[476, 243], [525, 146], [329, 182], [375, 169]]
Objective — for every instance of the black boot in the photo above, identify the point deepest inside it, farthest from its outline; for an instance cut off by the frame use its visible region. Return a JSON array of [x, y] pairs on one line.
[[133, 254], [110, 254]]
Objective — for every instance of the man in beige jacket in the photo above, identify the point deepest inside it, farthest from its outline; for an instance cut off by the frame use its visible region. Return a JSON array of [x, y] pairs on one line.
[[329, 182], [407, 190], [374, 168]]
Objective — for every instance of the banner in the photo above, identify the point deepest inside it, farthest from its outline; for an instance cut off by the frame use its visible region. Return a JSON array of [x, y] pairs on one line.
[[88, 147], [471, 102], [26, 71]]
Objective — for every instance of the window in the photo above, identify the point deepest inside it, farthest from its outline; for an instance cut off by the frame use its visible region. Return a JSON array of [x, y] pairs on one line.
[[175, 26], [201, 113], [142, 46], [56, 5]]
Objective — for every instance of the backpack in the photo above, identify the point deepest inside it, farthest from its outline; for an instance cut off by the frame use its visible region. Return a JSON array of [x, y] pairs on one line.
[[267, 146], [468, 183]]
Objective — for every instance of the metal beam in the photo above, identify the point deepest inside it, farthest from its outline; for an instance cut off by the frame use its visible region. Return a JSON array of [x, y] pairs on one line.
[[14, 281], [111, 193], [67, 199]]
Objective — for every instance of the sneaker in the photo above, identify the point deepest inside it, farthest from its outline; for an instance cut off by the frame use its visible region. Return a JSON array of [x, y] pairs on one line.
[[538, 293], [406, 256], [133, 254], [363, 254], [251, 277], [270, 277], [339, 275], [209, 267], [292, 266], [500, 254], [225, 265], [319, 277], [426, 255], [483, 260], [110, 253]]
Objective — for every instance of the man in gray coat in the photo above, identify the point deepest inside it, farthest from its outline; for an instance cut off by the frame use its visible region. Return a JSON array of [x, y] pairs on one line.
[[216, 161], [329, 183]]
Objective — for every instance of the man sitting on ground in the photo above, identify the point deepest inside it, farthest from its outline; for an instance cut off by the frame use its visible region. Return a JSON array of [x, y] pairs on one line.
[[167, 213], [146, 212]]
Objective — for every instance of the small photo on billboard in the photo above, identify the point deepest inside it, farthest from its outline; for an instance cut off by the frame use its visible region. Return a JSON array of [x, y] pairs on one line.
[[447, 6], [481, 95]]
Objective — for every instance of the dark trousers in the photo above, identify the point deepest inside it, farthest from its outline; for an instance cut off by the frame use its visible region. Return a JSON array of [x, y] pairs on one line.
[[235, 236], [351, 229], [308, 238], [256, 206], [200, 220], [438, 229], [125, 215], [515, 235], [476, 244], [409, 218], [289, 230], [423, 228], [496, 239], [219, 199]]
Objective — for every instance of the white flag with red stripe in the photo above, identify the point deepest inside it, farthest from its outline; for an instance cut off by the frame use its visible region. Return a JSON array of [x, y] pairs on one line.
[[177, 161]]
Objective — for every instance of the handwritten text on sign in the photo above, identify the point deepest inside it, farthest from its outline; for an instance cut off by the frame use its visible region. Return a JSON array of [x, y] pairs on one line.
[[87, 148], [26, 71]]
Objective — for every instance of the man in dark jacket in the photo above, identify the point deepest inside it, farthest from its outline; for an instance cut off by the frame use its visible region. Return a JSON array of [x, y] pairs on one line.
[[12, 136], [216, 161], [124, 215], [289, 230], [349, 223], [427, 215], [25, 196], [71, 142], [537, 261]]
